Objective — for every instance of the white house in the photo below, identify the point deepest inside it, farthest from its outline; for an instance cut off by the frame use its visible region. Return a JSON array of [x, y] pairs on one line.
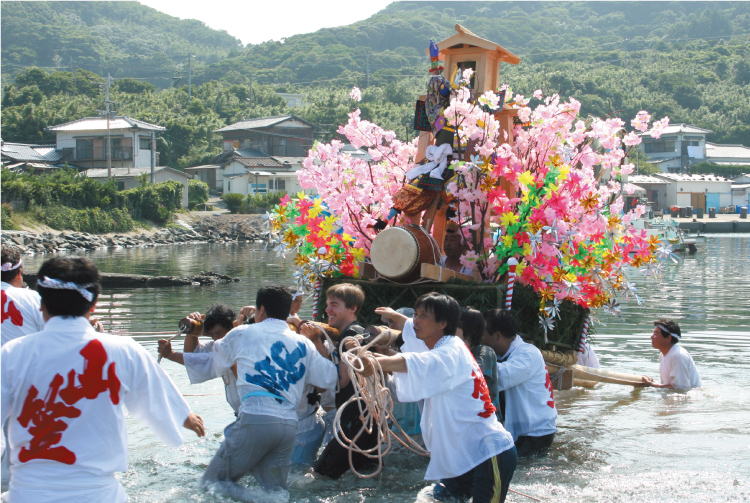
[[83, 142], [126, 178], [727, 155], [679, 146], [698, 191], [292, 100], [741, 190], [655, 188]]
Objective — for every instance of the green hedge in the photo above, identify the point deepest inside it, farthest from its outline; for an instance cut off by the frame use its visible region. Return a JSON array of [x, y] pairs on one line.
[[706, 168], [92, 220], [66, 188], [197, 193], [233, 201]]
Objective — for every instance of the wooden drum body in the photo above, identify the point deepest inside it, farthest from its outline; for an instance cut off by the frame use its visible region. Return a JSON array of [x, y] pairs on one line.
[[398, 253]]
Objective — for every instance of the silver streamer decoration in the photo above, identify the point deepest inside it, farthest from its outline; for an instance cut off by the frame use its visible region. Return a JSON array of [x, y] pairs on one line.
[[547, 324], [571, 288], [552, 229], [553, 310], [613, 307], [534, 241]]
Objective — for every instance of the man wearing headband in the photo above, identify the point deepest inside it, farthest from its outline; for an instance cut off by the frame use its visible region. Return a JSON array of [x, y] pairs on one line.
[[676, 366], [64, 389], [21, 314], [197, 357]]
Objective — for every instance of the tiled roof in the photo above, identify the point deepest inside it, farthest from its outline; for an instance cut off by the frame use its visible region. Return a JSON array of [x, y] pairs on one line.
[[100, 123], [739, 152], [268, 162], [204, 166], [31, 153], [127, 172], [680, 128], [679, 177], [289, 160], [646, 179], [261, 122], [246, 157]]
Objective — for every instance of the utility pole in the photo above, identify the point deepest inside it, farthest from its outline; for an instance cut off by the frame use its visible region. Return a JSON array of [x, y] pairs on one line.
[[73, 69], [190, 76], [108, 147], [250, 99], [153, 155], [367, 59]]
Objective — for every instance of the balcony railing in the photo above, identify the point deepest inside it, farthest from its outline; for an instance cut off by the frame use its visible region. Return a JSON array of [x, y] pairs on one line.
[[97, 154]]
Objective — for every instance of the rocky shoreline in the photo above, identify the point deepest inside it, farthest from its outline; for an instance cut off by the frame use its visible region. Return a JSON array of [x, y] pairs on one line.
[[206, 230]]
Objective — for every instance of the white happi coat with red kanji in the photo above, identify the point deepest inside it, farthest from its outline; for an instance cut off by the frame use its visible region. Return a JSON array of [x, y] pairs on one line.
[[21, 314], [63, 391]]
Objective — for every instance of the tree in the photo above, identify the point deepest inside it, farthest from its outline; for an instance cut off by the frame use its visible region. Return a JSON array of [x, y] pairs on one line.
[[233, 201]]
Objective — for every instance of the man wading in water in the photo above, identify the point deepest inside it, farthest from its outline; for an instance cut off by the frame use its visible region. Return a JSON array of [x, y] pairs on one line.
[[64, 389], [470, 452], [676, 366]]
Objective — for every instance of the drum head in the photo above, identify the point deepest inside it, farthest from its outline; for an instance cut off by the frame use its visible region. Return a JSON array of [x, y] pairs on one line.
[[394, 252]]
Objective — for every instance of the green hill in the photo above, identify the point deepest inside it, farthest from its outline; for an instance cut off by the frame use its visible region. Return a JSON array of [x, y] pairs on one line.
[[687, 60], [125, 38]]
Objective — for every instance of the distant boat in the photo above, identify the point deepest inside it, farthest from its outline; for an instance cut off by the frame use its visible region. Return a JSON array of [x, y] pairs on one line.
[[668, 231]]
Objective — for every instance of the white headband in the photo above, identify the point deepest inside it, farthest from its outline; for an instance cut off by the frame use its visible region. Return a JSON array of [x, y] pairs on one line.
[[56, 284], [664, 329], [298, 293], [8, 266]]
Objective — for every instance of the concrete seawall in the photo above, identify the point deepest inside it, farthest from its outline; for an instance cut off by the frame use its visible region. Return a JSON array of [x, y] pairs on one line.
[[716, 226]]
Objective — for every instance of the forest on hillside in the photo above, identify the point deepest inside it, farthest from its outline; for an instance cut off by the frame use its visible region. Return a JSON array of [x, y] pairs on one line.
[[687, 60]]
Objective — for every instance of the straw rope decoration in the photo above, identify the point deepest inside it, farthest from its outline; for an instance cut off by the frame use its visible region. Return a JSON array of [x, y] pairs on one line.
[[512, 263]]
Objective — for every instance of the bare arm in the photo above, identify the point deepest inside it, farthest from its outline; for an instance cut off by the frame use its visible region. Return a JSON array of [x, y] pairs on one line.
[[165, 349], [391, 315], [191, 341], [395, 363], [648, 381]]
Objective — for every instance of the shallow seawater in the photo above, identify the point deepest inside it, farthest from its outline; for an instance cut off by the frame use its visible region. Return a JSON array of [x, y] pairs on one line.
[[614, 444]]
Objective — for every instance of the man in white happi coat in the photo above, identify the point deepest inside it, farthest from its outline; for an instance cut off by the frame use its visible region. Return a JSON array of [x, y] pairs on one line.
[[530, 412], [273, 365], [21, 316], [64, 388], [676, 367], [197, 357], [20, 306], [471, 453]]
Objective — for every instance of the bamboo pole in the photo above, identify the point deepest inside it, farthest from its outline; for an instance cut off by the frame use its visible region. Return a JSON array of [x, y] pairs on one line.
[[601, 375]]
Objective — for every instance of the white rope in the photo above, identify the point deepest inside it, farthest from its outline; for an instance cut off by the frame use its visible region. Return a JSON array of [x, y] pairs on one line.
[[375, 405]]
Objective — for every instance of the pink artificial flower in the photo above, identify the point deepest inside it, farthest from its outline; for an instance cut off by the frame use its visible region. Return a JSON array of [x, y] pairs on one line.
[[641, 121], [631, 139], [538, 94], [658, 127]]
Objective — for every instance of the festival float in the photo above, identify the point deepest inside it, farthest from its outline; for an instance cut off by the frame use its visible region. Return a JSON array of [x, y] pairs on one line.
[[535, 194]]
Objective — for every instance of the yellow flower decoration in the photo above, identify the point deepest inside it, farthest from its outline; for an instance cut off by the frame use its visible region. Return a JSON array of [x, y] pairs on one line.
[[508, 218], [526, 178]]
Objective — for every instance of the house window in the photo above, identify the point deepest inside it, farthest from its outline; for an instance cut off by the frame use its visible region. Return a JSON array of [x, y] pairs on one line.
[[84, 149], [278, 185], [229, 186], [144, 143], [120, 185], [261, 188], [656, 147]]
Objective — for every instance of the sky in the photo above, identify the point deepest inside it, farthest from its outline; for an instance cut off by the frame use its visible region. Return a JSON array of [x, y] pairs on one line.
[[257, 21]]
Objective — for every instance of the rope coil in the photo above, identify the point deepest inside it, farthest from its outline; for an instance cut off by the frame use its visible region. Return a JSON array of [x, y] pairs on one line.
[[375, 405]]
